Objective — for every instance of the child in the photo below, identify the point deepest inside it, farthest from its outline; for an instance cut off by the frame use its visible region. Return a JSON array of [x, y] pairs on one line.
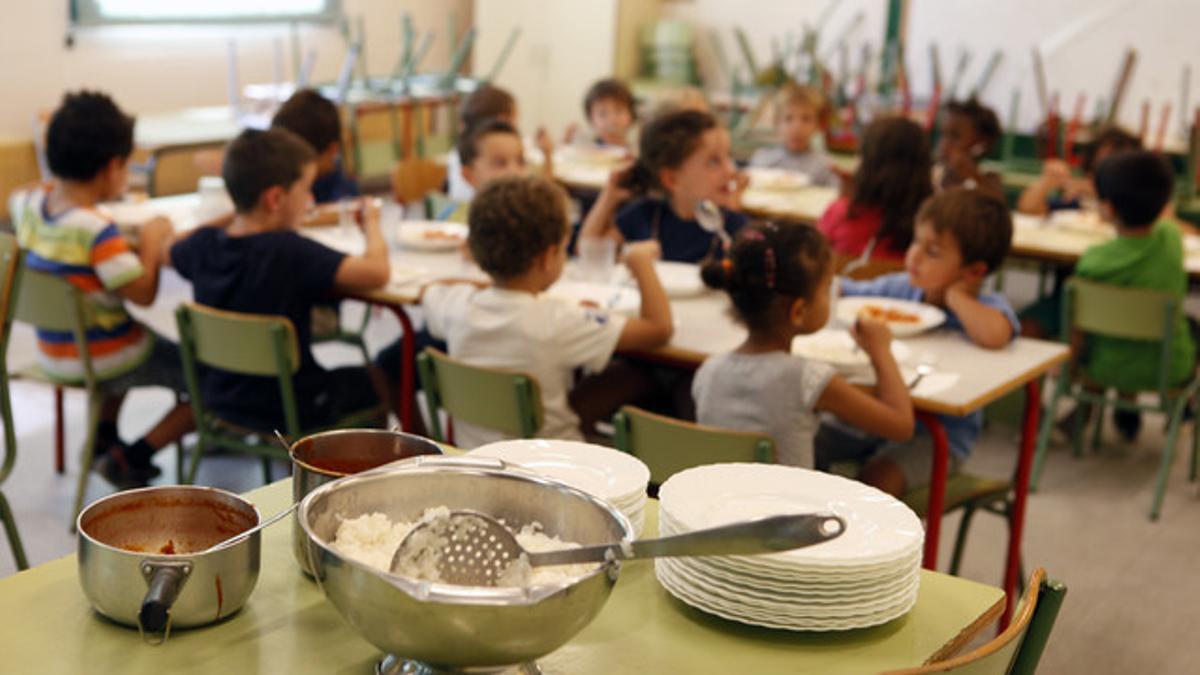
[[491, 149], [518, 236], [685, 154], [609, 109], [315, 119], [893, 179], [88, 143], [800, 112], [260, 264], [961, 236], [1057, 189], [488, 102], [1134, 188], [778, 278], [969, 132]]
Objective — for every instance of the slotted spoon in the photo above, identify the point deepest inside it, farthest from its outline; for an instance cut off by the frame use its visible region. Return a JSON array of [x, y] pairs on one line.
[[468, 548]]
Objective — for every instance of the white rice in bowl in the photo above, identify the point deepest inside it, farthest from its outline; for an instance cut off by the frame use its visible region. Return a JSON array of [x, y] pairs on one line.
[[372, 539]]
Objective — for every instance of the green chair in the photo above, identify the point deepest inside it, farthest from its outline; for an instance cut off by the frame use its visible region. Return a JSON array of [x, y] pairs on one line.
[[970, 493], [10, 268], [1017, 650], [1131, 314], [247, 344], [504, 400], [669, 446]]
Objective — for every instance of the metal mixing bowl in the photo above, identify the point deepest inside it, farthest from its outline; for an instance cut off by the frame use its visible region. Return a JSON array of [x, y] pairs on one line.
[[454, 626]]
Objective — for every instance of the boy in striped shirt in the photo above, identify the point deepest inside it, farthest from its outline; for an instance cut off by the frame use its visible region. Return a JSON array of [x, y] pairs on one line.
[[65, 232]]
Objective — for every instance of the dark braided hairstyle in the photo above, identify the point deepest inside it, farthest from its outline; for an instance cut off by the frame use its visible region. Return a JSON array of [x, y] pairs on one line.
[[766, 263], [667, 141]]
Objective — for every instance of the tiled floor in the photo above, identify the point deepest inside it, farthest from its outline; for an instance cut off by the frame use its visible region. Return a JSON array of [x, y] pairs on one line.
[[1132, 584]]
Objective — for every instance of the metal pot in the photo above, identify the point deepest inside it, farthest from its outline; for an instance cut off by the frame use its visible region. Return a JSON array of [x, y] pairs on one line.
[[330, 455], [447, 626], [134, 562]]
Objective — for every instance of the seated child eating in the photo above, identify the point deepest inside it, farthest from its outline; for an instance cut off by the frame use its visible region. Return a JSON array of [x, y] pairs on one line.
[[685, 155], [486, 103], [1134, 187], [969, 132], [799, 113], [609, 109], [261, 264], [518, 236], [65, 233], [315, 119], [779, 278], [490, 150], [892, 181], [1057, 189], [961, 236]]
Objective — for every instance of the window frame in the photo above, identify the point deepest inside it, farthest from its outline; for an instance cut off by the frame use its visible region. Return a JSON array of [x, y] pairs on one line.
[[87, 13]]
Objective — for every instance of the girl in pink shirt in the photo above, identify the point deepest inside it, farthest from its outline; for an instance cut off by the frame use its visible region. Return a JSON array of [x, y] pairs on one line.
[[894, 176]]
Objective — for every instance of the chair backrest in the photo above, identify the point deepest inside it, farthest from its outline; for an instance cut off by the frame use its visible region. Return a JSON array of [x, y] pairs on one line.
[[1018, 649], [415, 177], [49, 302], [505, 400], [669, 446], [246, 344], [10, 268], [1127, 313]]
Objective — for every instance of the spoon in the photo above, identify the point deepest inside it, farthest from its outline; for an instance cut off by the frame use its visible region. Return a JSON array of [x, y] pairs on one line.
[[923, 369], [709, 217], [471, 549], [247, 533]]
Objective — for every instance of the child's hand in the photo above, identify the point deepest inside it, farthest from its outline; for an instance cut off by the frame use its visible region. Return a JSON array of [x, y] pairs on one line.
[[641, 253], [544, 142], [1056, 174], [569, 133], [617, 179], [872, 335], [156, 231]]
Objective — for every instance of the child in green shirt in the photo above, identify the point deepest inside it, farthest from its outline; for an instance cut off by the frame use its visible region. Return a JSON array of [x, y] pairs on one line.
[[1133, 188]]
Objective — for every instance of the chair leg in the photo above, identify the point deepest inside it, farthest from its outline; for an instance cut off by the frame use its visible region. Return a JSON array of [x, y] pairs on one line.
[[1077, 427], [960, 540], [1164, 468], [1098, 429], [60, 440], [180, 459], [266, 465], [1043, 439], [1195, 443], [14, 537], [86, 457], [197, 451]]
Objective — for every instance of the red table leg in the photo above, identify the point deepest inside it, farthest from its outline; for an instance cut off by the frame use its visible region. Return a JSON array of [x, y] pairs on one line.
[[408, 337], [937, 487], [1016, 524], [60, 436]]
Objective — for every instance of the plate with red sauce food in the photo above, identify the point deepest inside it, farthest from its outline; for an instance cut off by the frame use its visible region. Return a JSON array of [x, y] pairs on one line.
[[905, 317]]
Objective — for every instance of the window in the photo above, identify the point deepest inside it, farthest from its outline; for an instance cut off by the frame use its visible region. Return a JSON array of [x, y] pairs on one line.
[[99, 12]]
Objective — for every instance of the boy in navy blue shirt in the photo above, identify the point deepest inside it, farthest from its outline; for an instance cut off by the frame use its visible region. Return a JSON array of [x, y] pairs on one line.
[[260, 264]]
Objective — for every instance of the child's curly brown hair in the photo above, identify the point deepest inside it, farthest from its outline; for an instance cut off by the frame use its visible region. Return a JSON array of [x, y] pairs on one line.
[[513, 220]]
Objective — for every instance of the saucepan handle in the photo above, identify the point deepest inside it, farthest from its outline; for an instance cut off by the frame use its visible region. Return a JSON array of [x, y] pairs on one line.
[[165, 580]]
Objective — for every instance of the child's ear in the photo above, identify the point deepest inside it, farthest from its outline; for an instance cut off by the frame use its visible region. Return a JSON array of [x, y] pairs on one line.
[[975, 271], [468, 174], [796, 312], [272, 198], [669, 178], [1106, 211]]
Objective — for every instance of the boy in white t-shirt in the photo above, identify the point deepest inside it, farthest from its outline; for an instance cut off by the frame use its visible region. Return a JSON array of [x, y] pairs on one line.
[[518, 236]]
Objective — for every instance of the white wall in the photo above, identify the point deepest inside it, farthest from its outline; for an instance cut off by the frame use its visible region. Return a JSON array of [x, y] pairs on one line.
[[1082, 42], [151, 69], [565, 45]]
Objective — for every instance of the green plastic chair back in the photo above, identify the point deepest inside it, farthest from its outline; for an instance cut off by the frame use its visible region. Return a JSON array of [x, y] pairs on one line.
[[1017, 650], [51, 303], [10, 268], [1129, 313], [504, 400], [669, 446], [246, 344]]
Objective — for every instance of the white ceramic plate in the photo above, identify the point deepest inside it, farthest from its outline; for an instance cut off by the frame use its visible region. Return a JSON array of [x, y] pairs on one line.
[[879, 527], [597, 470], [765, 178], [837, 348], [910, 318], [608, 297], [428, 235]]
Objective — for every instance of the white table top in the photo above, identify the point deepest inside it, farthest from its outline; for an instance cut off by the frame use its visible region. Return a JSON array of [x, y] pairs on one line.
[[190, 126], [1064, 240], [966, 377]]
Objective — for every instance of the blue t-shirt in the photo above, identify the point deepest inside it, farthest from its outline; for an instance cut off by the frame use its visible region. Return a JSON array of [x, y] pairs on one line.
[[279, 273], [681, 240], [961, 432], [333, 186]]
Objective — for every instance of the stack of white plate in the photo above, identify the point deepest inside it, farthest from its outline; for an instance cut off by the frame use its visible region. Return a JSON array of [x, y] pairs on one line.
[[867, 576], [614, 476]]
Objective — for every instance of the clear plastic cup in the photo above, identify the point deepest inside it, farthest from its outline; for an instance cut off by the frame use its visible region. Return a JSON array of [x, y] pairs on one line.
[[597, 259]]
